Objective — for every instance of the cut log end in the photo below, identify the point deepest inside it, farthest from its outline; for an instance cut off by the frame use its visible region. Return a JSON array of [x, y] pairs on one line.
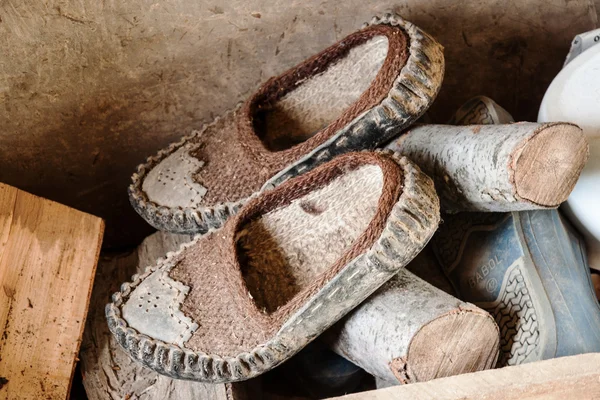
[[462, 341], [549, 164]]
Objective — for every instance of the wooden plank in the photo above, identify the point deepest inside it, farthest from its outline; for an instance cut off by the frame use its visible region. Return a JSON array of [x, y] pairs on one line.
[[8, 198], [108, 372], [575, 377], [48, 256]]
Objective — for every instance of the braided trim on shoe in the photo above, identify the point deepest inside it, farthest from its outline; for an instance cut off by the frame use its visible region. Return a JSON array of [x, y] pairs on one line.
[[410, 225], [185, 220], [414, 90]]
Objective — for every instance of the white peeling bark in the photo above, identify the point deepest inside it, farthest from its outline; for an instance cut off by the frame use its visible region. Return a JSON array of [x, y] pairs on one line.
[[474, 166], [379, 335]]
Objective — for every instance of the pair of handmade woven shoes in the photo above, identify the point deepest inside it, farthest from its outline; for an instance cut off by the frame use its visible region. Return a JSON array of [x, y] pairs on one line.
[[278, 260]]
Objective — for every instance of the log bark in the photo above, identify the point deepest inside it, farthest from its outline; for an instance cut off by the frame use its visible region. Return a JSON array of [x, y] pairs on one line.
[[409, 331], [382, 384], [498, 168], [108, 372]]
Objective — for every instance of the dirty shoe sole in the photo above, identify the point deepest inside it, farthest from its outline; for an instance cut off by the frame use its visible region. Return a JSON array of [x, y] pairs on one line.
[[208, 313]]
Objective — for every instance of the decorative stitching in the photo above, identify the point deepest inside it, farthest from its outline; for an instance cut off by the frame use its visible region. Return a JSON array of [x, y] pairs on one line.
[[176, 303], [413, 91], [202, 217], [402, 106], [177, 362]]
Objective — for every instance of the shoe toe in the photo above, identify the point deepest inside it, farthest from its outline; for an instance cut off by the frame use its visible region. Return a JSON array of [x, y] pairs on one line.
[[153, 309], [170, 183]]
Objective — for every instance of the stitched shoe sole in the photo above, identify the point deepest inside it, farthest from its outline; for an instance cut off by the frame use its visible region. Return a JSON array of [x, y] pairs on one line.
[[412, 93], [410, 225], [178, 220]]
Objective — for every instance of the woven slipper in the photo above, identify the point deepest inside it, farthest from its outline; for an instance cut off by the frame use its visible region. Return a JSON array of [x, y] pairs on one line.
[[238, 301], [355, 95]]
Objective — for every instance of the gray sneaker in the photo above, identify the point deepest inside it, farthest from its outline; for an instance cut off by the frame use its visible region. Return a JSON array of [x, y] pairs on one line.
[[528, 270]]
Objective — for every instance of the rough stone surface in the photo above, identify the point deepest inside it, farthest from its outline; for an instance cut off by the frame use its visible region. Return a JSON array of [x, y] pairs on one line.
[[89, 89]]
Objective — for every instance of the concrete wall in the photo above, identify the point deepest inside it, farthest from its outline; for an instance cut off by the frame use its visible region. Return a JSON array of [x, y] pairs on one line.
[[89, 88]]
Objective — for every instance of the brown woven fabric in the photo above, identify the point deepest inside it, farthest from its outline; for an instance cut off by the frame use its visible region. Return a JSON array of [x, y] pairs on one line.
[[228, 173], [216, 268], [237, 162], [225, 325]]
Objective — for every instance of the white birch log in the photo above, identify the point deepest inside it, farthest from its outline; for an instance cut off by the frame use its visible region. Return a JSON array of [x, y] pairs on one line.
[[511, 167], [409, 331], [108, 372]]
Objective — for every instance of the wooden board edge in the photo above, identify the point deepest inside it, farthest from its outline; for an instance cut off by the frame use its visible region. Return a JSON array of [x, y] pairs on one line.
[[101, 227], [537, 380], [102, 224]]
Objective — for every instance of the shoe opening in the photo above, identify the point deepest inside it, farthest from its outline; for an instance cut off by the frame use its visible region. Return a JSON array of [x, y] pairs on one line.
[[302, 102], [286, 250]]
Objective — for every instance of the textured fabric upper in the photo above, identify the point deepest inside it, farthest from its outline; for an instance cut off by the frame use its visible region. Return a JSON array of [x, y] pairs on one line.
[[319, 92], [239, 296], [319, 100], [228, 174], [203, 170], [286, 118], [287, 249], [225, 325]]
